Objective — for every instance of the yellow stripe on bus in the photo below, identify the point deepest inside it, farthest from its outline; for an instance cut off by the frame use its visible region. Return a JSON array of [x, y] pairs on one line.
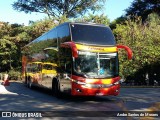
[[102, 81], [95, 48]]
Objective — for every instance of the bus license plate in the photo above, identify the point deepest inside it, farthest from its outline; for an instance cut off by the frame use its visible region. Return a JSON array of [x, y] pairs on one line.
[[99, 94]]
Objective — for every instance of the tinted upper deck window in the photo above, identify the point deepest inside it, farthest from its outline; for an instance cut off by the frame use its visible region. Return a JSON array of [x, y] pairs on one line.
[[88, 34]]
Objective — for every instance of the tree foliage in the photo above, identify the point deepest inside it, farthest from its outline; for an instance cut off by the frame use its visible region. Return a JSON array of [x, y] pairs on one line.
[[119, 20], [143, 38], [14, 36], [101, 19], [143, 8], [7, 49], [57, 8], [9, 45]]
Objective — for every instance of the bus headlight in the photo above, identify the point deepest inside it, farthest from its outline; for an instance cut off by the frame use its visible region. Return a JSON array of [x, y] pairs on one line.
[[116, 83], [78, 82], [87, 86]]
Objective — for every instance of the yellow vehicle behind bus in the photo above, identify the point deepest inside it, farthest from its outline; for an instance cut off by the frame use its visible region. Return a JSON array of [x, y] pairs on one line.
[[40, 74]]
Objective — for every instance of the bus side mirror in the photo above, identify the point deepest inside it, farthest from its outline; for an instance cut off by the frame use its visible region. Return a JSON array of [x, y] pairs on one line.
[[127, 49]]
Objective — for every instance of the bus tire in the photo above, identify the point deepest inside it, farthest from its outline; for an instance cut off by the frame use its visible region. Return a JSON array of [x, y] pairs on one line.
[[56, 88]]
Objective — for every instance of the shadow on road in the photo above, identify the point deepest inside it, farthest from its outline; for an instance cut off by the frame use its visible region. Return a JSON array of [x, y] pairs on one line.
[[20, 89], [18, 96]]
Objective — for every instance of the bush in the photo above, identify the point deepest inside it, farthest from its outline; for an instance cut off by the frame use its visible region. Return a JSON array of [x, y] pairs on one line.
[[14, 75], [143, 39]]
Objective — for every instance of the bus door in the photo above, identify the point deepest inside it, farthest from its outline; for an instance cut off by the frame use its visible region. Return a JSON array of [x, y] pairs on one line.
[[65, 64]]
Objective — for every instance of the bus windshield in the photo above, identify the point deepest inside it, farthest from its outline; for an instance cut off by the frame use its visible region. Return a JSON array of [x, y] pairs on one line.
[[92, 34], [97, 65]]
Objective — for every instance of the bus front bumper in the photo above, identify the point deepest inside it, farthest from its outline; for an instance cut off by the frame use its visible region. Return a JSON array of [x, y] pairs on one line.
[[95, 89]]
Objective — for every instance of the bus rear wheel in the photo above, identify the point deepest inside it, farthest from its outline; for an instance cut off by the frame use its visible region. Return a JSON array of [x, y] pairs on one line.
[[56, 89]]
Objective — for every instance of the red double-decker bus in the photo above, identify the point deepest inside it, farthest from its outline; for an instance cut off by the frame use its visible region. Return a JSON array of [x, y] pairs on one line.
[[74, 58]]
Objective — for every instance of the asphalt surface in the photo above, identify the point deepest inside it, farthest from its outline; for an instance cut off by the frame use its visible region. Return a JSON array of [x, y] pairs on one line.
[[18, 98]]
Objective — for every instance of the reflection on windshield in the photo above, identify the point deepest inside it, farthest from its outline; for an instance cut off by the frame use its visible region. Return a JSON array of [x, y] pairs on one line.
[[92, 34], [97, 65]]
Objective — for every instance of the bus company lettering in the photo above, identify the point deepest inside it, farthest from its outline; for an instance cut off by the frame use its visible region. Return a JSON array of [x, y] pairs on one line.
[[96, 48]]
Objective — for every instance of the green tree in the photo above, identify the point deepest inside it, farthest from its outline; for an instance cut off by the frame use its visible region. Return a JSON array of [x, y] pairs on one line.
[[101, 19], [7, 50], [10, 45], [57, 8], [143, 39], [143, 8], [119, 20]]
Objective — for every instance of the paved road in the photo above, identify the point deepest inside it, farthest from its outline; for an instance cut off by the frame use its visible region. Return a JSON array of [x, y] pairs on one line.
[[17, 97]]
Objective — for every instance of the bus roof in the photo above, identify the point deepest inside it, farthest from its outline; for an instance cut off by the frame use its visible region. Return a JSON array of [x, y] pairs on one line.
[[101, 37], [84, 23]]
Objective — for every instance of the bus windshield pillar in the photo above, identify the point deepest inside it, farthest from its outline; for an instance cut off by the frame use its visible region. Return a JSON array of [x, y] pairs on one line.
[[73, 48]]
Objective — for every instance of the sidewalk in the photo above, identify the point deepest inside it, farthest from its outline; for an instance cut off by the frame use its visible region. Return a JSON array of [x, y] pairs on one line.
[[3, 89]]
